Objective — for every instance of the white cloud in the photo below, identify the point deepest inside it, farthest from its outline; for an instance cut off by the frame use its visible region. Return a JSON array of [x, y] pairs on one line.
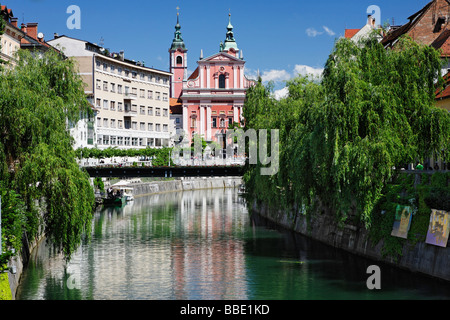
[[275, 75], [280, 94], [311, 32], [329, 31], [307, 70]]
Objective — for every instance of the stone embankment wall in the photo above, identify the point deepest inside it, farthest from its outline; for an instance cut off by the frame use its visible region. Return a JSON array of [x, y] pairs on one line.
[[422, 257], [141, 189]]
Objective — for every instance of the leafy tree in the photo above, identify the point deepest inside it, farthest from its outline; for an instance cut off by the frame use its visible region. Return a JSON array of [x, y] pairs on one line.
[[340, 137], [37, 100]]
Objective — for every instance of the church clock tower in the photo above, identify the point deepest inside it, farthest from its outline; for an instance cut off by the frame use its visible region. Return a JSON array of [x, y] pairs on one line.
[[178, 62]]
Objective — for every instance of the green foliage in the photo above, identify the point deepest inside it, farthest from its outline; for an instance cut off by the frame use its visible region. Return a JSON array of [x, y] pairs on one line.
[[160, 156], [37, 160], [98, 184], [341, 136], [13, 220], [5, 290]]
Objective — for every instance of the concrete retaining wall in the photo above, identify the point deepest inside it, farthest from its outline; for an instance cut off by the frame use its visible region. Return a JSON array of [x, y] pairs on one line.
[[422, 258]]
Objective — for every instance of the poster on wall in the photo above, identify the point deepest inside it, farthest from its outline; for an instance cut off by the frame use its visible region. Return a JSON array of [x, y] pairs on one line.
[[438, 228], [402, 222]]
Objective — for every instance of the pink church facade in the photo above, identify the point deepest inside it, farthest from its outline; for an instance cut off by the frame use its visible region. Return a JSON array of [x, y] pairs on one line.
[[213, 96]]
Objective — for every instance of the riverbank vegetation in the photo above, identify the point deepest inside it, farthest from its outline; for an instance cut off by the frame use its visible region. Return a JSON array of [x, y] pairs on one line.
[[343, 135], [41, 184], [160, 156]]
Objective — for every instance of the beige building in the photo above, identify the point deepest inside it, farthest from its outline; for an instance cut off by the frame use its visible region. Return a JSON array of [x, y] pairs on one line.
[[11, 38], [131, 101]]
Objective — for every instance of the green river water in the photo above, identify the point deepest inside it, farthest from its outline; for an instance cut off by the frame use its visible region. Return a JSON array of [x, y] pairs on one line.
[[204, 245]]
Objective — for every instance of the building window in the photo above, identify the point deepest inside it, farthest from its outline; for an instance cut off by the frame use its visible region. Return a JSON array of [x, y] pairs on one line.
[[105, 67], [120, 124], [120, 141], [142, 126], [165, 112], [193, 123], [142, 110], [222, 81], [113, 140], [158, 112], [99, 103], [127, 124], [113, 87], [165, 128], [150, 94], [127, 141], [134, 75], [113, 123], [105, 104], [134, 141], [120, 106], [179, 60], [105, 122], [230, 121], [222, 123], [99, 122], [158, 127], [106, 140], [150, 111], [165, 98], [113, 106], [119, 88], [177, 120], [142, 93], [158, 95], [99, 84], [134, 125], [214, 122], [150, 127], [105, 86]]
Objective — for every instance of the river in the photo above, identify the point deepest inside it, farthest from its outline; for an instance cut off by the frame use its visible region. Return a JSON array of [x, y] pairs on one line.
[[204, 245]]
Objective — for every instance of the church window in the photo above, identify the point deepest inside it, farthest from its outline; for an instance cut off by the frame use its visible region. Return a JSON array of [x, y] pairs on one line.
[[222, 81], [179, 60]]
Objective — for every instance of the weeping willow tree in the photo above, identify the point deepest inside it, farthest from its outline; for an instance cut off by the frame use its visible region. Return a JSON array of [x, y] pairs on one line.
[[372, 111], [38, 98]]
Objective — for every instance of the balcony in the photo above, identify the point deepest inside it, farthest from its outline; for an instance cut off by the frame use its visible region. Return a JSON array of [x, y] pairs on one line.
[[129, 96], [130, 111]]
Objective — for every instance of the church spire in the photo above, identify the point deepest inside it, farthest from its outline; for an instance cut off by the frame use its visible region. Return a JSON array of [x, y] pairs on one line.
[[230, 42], [178, 42]]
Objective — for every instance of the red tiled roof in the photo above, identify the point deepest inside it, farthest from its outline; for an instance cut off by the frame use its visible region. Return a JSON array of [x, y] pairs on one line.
[[442, 42], [194, 75], [350, 33], [392, 36], [445, 92]]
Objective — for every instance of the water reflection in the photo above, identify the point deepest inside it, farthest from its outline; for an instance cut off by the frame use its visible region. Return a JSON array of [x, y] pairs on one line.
[[167, 246], [201, 245]]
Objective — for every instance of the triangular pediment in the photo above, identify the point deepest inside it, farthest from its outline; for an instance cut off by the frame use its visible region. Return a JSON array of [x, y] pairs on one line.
[[221, 56]]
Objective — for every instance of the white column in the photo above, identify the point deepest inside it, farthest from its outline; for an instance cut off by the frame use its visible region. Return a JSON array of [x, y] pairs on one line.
[[185, 123], [236, 115], [208, 123], [241, 69], [227, 80], [202, 120], [208, 77], [234, 77]]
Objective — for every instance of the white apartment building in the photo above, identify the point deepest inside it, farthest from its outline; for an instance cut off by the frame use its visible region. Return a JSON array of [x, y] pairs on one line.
[[131, 101]]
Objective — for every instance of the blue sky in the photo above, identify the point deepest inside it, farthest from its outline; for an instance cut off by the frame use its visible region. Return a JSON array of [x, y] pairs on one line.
[[279, 38]]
